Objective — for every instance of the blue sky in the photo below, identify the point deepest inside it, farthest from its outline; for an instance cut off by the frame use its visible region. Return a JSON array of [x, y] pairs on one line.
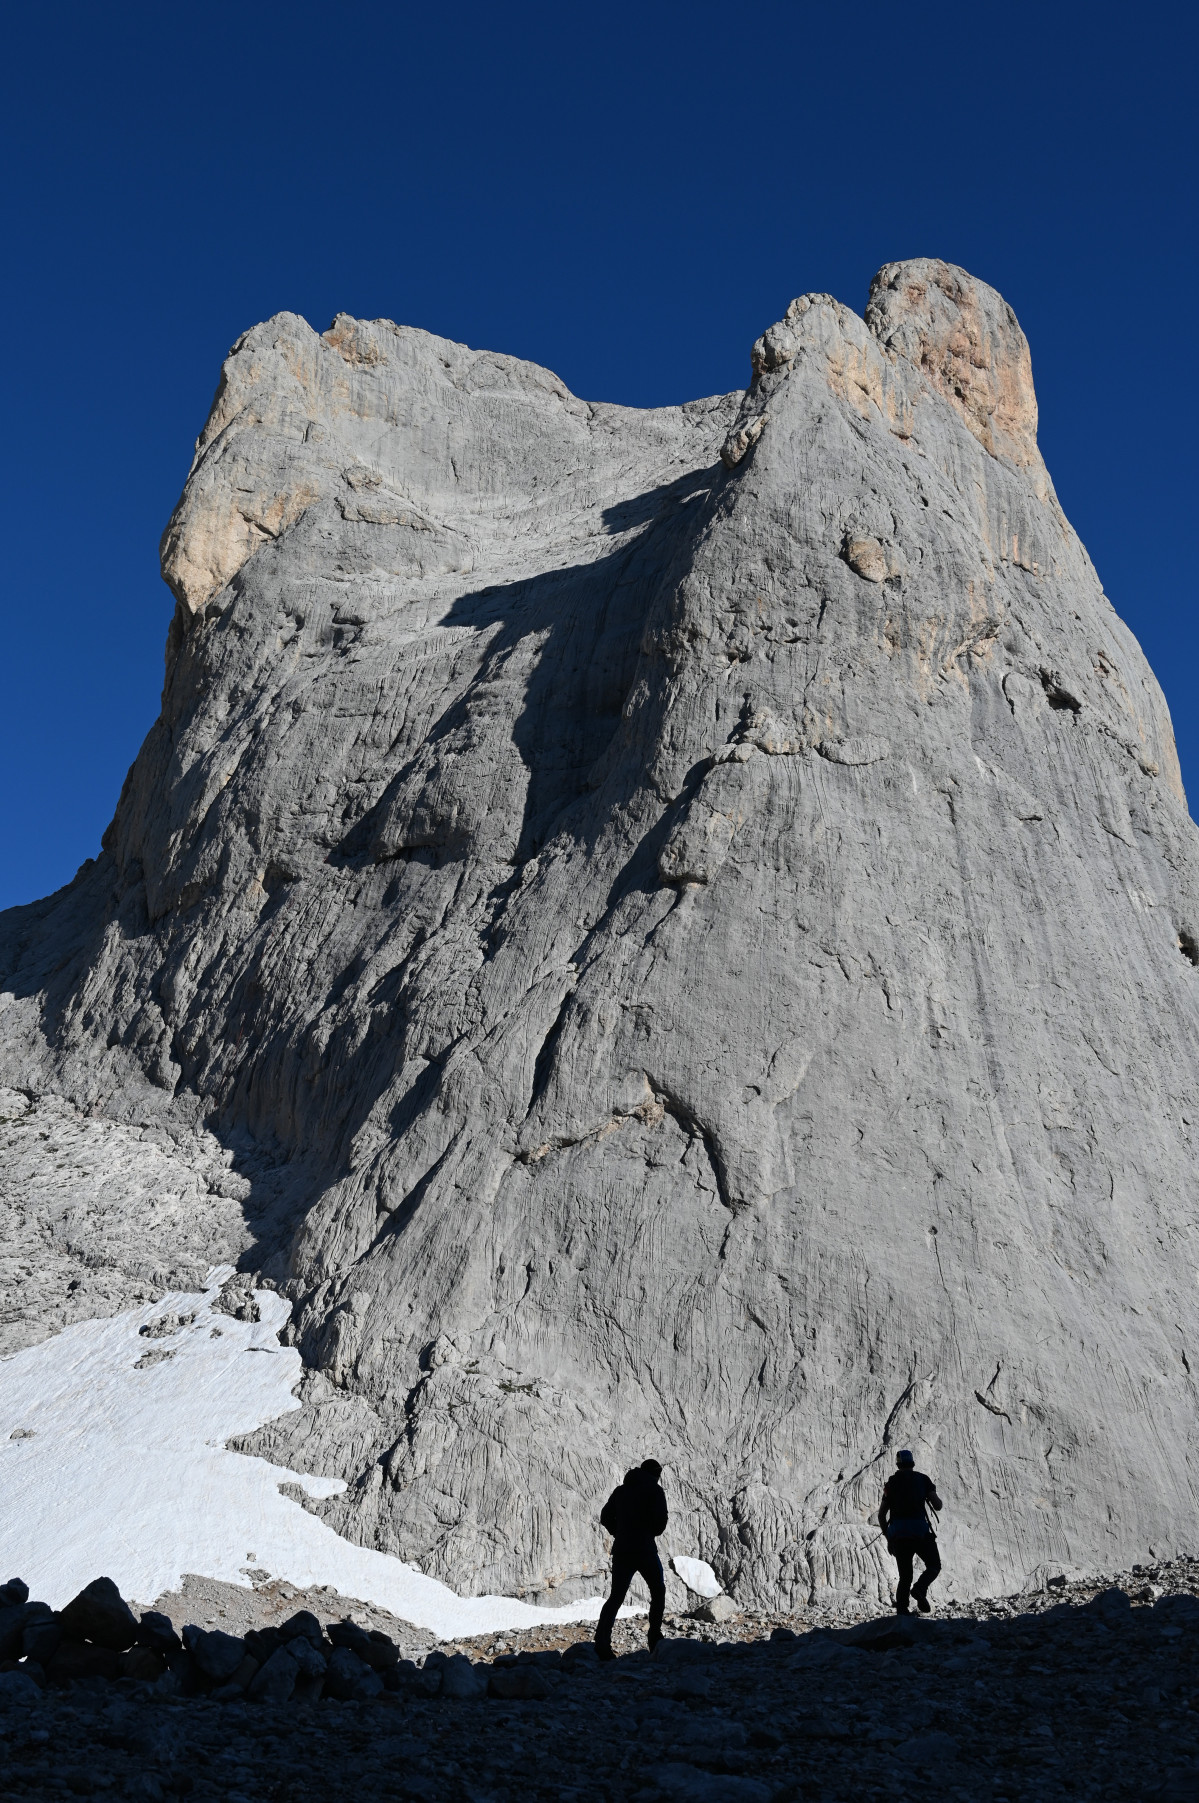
[[628, 194]]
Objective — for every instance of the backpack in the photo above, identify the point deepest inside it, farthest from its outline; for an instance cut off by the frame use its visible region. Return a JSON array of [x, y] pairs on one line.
[[614, 1515]]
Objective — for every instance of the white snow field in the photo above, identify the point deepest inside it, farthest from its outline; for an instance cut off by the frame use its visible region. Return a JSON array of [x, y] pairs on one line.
[[115, 1470], [698, 1575]]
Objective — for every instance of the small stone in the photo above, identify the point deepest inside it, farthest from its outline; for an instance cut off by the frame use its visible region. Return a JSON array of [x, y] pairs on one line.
[[867, 558], [100, 1614], [164, 1326]]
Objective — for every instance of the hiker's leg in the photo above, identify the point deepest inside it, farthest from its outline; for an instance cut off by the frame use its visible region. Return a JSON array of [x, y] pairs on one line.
[[901, 1552], [932, 1566], [651, 1570], [622, 1577]]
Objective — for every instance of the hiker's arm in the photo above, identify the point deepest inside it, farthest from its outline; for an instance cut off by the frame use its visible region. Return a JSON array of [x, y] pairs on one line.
[[661, 1513]]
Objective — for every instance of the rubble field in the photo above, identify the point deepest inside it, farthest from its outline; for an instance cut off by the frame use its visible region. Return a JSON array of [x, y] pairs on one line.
[[1080, 1690]]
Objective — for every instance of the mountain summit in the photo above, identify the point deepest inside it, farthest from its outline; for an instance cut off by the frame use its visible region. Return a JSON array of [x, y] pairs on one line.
[[662, 931]]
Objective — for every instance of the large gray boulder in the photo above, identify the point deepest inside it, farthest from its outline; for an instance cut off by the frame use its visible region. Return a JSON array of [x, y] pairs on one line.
[[665, 932]]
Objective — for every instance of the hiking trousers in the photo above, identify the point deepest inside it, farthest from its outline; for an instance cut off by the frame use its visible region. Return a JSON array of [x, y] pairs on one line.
[[625, 1566], [903, 1550]]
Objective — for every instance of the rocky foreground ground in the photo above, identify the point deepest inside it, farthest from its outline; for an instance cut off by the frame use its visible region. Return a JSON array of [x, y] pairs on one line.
[[1078, 1691]]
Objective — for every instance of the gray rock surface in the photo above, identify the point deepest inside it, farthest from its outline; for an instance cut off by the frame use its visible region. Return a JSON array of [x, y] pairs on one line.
[[667, 931]]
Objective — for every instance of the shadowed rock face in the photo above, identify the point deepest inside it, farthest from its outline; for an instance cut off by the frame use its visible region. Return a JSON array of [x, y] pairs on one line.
[[684, 925]]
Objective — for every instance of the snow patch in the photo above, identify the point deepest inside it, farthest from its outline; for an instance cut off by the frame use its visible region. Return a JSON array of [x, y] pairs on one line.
[[115, 1463], [697, 1575]]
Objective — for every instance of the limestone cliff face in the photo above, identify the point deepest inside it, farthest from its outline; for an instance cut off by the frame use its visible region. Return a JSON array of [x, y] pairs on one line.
[[680, 929]]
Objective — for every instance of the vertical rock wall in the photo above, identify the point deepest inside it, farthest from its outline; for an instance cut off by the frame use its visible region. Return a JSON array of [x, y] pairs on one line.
[[687, 925]]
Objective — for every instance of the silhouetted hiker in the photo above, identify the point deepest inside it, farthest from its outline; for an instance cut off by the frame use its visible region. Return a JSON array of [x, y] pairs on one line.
[[634, 1514], [907, 1496]]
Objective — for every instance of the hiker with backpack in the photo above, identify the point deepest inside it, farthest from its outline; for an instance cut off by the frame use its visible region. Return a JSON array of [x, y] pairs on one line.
[[635, 1514], [903, 1517]]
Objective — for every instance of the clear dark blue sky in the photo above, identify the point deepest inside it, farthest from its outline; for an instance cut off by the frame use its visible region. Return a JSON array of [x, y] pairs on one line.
[[626, 193]]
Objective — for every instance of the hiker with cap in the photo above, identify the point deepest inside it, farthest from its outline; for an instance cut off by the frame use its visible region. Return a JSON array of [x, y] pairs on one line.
[[634, 1515], [903, 1517]]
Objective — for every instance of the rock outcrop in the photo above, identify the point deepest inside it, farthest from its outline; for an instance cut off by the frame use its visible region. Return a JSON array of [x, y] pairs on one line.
[[662, 931]]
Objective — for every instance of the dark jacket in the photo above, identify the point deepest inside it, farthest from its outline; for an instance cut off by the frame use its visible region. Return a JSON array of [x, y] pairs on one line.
[[906, 1497], [635, 1512]]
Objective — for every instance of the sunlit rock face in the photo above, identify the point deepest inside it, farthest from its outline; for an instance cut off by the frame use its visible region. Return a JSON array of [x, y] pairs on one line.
[[680, 929]]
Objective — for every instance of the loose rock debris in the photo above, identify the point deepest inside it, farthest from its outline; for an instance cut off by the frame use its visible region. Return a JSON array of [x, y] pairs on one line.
[[1076, 1691]]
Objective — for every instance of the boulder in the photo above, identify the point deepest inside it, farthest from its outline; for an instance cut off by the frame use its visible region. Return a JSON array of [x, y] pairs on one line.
[[303, 1625], [720, 1608], [462, 1680], [368, 1649], [18, 1687], [74, 1659], [216, 1653], [141, 1664], [156, 1631], [262, 1642], [1180, 1610], [884, 1633], [515, 1683], [42, 1633], [1110, 1605], [679, 1652], [239, 1682], [349, 1678], [100, 1614], [16, 1591], [12, 1629], [386, 1653], [310, 1660], [276, 1680]]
